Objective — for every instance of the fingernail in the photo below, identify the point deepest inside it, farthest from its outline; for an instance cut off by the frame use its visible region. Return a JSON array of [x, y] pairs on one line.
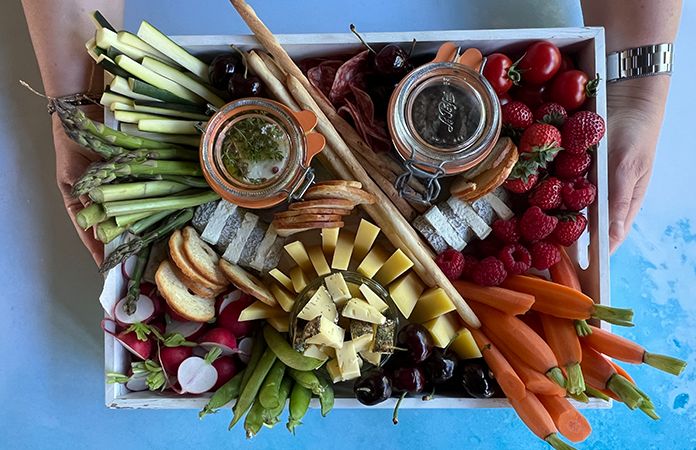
[[616, 229]]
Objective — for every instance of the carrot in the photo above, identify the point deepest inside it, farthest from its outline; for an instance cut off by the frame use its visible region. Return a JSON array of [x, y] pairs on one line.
[[563, 272], [533, 380], [538, 420], [628, 351], [511, 302], [561, 301], [563, 340], [568, 420], [508, 380], [532, 319], [521, 339]]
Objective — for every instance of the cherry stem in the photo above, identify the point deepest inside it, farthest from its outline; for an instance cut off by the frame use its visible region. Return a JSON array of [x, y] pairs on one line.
[[430, 396], [244, 60], [352, 28], [395, 419], [454, 338], [413, 45]]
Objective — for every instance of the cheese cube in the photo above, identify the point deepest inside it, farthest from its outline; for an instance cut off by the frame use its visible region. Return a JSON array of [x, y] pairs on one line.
[[361, 310], [371, 357], [373, 261], [443, 328], [298, 278], [280, 323], [338, 289], [334, 372], [372, 298], [298, 252], [363, 342], [384, 337], [405, 292], [285, 299], [344, 250], [464, 345], [260, 310], [316, 255], [322, 331], [433, 303], [348, 361], [397, 264], [314, 351], [364, 238], [329, 238], [319, 305], [282, 279]]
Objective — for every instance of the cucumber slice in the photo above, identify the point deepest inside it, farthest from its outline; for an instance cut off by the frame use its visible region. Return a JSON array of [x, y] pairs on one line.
[[180, 139], [169, 126], [155, 79], [134, 117], [112, 52], [134, 41], [110, 66], [108, 98], [161, 42], [100, 21], [120, 85], [181, 79], [118, 106], [149, 90], [195, 109], [105, 38], [170, 112]]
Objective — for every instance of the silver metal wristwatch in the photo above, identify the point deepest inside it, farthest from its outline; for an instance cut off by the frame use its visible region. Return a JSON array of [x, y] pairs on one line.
[[640, 62]]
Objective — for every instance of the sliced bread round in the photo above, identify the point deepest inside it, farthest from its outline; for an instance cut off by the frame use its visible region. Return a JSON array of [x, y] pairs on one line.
[[202, 257], [247, 283], [176, 252], [355, 184], [297, 212], [323, 203], [188, 305], [352, 194]]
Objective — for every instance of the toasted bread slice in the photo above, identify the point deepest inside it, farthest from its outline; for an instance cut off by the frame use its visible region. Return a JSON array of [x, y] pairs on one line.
[[307, 218], [355, 184], [285, 230], [178, 256], [188, 305], [494, 159], [470, 190], [202, 257], [196, 288], [297, 212], [323, 203], [247, 283], [355, 195]]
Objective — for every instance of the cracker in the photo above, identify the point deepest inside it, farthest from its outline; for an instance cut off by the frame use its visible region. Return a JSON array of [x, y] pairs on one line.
[[308, 218], [355, 184], [323, 203], [247, 283], [352, 194], [332, 211]]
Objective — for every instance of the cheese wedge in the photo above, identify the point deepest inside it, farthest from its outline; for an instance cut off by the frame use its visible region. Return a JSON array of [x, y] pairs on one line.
[[442, 226], [500, 208], [260, 310], [236, 245], [282, 279], [373, 358], [364, 238], [322, 331], [298, 252], [320, 304], [338, 288], [316, 256], [464, 345], [314, 351], [284, 297], [344, 250], [329, 238], [443, 328], [468, 214], [406, 291], [373, 261], [298, 278], [361, 310], [433, 303], [373, 299], [348, 361], [355, 291], [393, 268]]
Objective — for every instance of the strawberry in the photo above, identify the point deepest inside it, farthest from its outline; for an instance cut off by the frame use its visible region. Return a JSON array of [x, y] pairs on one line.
[[551, 113], [578, 194], [539, 144], [581, 131], [536, 225], [547, 194], [568, 165], [569, 229], [517, 115], [521, 185]]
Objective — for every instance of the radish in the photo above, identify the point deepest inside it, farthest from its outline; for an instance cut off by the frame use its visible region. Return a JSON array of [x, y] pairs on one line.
[[226, 369], [229, 317], [244, 349], [128, 266], [189, 330], [144, 312], [173, 315], [135, 339], [159, 326], [151, 291], [222, 338], [225, 299], [197, 375], [137, 382], [172, 357]]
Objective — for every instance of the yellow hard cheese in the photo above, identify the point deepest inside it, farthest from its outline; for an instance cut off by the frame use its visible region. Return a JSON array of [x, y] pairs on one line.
[[321, 331], [260, 310], [348, 361], [397, 264], [344, 250], [372, 298], [364, 238], [316, 255], [405, 292], [443, 328], [373, 261], [282, 279], [285, 299], [338, 289], [354, 290], [329, 238], [465, 346], [280, 323], [319, 305], [433, 303], [361, 310], [298, 278], [298, 252]]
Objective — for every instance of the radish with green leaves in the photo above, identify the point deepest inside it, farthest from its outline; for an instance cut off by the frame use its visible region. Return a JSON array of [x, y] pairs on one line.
[[191, 331], [131, 341], [197, 375], [143, 313]]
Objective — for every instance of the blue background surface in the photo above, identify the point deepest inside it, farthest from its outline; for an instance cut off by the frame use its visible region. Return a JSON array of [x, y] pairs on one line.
[[51, 376]]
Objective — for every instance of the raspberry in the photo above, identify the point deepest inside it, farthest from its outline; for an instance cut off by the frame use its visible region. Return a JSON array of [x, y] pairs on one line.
[[578, 194], [470, 263], [451, 262], [581, 131], [490, 272], [489, 246], [516, 258], [569, 229], [551, 113], [508, 231], [547, 194], [544, 254], [569, 166], [516, 115], [536, 225]]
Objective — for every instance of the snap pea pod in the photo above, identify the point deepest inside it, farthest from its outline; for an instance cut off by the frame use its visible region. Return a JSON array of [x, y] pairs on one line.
[[268, 395], [326, 398], [248, 394], [227, 392], [299, 403], [271, 417], [254, 419], [286, 353], [307, 379], [257, 349]]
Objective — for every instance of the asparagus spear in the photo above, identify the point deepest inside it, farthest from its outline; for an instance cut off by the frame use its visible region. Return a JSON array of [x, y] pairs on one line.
[[109, 151], [143, 224], [130, 191], [130, 305], [109, 230], [90, 216], [158, 204]]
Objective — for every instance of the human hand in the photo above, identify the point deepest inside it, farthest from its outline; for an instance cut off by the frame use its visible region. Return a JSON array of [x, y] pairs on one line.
[[635, 113], [71, 162]]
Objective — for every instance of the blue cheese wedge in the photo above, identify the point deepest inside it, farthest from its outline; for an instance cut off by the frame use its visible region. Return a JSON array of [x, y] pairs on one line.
[[319, 305], [501, 209], [361, 310], [467, 213], [212, 231], [372, 298], [338, 288], [440, 223], [348, 361], [234, 249], [322, 331]]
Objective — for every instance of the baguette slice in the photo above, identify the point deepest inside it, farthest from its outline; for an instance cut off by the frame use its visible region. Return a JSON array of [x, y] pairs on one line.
[[247, 283], [202, 257], [323, 203], [178, 256], [355, 184], [190, 306], [352, 194], [330, 211], [308, 218]]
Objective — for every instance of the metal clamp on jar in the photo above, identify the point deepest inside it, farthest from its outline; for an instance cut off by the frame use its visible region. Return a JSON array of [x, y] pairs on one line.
[[444, 118], [256, 153]]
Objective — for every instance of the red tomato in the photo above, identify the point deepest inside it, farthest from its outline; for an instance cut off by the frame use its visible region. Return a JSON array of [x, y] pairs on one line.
[[540, 63], [532, 95], [570, 89], [497, 72], [566, 64], [504, 98]]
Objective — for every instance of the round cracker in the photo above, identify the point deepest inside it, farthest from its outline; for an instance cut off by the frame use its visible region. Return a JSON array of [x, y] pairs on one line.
[[308, 218], [323, 203], [247, 283], [355, 184], [285, 230], [297, 212], [186, 304], [176, 252], [202, 257], [355, 195]]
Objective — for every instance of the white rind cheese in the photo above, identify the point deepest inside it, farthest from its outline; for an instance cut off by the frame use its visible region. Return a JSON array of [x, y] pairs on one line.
[[439, 222], [466, 212], [235, 247], [212, 231], [264, 247], [500, 208]]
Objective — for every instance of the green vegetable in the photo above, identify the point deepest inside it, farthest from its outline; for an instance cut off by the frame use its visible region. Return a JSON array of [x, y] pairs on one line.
[[146, 222], [271, 417], [248, 395], [109, 230], [286, 353], [130, 191], [589, 390], [299, 403], [326, 397], [307, 379], [268, 395], [133, 294], [227, 392], [154, 205], [90, 216], [254, 419], [258, 347]]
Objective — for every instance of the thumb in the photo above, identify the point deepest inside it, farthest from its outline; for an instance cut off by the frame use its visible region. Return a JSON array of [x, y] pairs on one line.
[[621, 186]]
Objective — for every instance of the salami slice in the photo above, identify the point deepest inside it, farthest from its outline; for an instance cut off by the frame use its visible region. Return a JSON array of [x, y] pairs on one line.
[[346, 74], [322, 76]]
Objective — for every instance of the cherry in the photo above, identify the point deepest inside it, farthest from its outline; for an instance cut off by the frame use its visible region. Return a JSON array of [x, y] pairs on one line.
[[440, 366], [391, 60], [373, 387], [240, 86], [408, 378], [222, 68], [476, 378], [417, 340]]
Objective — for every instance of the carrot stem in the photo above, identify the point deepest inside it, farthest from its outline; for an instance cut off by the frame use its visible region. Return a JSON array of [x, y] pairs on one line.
[[649, 412], [581, 327], [626, 391], [557, 376], [576, 382], [581, 397], [665, 363], [616, 316], [556, 442], [589, 390]]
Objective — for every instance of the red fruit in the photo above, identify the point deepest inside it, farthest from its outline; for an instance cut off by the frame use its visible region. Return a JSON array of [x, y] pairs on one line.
[[566, 64], [536, 225], [578, 194], [517, 115], [226, 369], [490, 272], [516, 258], [508, 231], [451, 262], [489, 246], [551, 113], [581, 131], [521, 185], [504, 98], [569, 229], [571, 88], [540, 63], [470, 263], [544, 254], [547, 194], [532, 95], [540, 137], [500, 72], [569, 166]]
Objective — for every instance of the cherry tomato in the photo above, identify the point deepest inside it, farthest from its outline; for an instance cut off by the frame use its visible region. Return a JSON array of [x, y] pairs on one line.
[[532, 95], [570, 89], [566, 65], [500, 72], [504, 98], [540, 63]]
